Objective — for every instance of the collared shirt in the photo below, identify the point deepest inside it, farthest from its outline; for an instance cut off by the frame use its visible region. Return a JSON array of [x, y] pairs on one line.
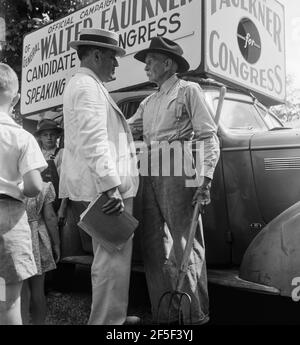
[[99, 153], [168, 117], [19, 154]]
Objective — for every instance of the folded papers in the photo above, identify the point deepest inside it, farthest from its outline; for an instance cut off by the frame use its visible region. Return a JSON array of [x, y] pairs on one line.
[[112, 231]]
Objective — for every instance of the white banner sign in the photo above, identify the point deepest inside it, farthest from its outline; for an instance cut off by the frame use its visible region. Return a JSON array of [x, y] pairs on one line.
[[245, 44], [49, 62]]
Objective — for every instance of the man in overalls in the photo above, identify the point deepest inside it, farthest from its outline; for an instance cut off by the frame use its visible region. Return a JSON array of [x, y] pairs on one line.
[[48, 131], [176, 114]]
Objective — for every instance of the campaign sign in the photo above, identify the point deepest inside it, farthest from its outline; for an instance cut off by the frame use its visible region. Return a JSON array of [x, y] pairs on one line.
[[49, 62], [245, 44]]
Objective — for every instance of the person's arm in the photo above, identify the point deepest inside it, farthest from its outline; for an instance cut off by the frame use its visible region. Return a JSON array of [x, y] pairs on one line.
[[62, 212], [205, 131], [58, 160], [31, 162], [52, 227], [33, 183], [136, 122]]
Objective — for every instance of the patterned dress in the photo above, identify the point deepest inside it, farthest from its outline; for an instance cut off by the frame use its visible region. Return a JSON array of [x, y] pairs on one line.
[[41, 244]]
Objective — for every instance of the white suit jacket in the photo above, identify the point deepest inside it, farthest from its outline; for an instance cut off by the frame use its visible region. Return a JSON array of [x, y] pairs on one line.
[[99, 153]]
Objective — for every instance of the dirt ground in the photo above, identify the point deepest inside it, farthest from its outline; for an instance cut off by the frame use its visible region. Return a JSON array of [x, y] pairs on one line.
[[73, 307]]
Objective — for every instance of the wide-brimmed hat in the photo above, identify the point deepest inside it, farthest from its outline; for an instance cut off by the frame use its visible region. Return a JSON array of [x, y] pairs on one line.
[[99, 38], [167, 47], [47, 124]]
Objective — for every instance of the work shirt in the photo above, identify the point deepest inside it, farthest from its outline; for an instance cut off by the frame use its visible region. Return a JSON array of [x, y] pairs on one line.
[[178, 112], [99, 153], [19, 154]]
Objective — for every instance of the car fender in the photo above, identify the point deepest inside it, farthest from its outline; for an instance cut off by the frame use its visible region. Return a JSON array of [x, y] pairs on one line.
[[273, 257]]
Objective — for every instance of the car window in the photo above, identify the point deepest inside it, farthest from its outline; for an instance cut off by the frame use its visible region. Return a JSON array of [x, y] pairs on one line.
[[271, 120], [129, 107], [237, 115], [240, 116]]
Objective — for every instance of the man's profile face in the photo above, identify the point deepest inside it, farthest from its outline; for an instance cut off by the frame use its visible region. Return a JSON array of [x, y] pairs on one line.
[[155, 67], [48, 138], [108, 65]]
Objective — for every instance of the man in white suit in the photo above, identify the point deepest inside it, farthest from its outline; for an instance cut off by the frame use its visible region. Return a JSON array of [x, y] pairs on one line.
[[99, 157]]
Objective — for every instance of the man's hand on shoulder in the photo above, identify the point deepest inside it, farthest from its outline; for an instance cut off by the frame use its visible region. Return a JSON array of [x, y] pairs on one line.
[[136, 128], [115, 204]]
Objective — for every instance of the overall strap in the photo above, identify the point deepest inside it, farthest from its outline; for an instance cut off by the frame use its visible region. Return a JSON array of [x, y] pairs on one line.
[[56, 151], [52, 157], [179, 102], [180, 107]]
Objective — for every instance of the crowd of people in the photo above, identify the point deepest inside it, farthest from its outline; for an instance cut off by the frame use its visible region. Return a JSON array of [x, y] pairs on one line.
[[37, 180]]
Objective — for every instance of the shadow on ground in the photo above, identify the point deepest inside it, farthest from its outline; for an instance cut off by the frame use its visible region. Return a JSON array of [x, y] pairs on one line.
[[235, 307]]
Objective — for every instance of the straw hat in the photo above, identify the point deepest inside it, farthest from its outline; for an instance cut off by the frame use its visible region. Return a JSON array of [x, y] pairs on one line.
[[98, 38]]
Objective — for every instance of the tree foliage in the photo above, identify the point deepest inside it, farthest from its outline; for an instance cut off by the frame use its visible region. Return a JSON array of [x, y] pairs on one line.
[[291, 109], [24, 16]]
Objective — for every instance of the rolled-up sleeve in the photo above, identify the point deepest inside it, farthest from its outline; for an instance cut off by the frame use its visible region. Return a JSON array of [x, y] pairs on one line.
[[31, 157], [204, 128], [135, 122], [91, 113]]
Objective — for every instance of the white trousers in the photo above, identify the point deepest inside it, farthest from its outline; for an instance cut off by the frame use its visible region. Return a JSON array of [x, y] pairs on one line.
[[110, 282]]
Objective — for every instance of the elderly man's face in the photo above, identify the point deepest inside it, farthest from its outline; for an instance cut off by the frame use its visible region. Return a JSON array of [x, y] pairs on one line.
[[156, 67], [48, 139]]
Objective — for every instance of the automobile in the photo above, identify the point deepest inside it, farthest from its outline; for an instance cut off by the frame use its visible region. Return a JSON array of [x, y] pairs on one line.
[[255, 182]]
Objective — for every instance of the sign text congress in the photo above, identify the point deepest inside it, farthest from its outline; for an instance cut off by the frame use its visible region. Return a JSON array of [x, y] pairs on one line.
[[264, 14], [138, 21]]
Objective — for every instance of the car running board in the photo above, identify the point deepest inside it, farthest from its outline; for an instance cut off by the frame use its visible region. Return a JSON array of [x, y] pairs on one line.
[[230, 278]]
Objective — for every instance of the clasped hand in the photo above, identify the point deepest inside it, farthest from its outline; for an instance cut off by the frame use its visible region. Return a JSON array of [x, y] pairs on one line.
[[202, 196], [115, 204]]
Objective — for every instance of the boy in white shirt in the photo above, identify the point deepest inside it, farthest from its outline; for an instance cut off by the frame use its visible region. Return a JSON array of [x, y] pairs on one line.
[[21, 161]]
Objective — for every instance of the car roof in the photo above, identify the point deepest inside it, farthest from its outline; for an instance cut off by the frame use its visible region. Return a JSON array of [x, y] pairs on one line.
[[142, 93]]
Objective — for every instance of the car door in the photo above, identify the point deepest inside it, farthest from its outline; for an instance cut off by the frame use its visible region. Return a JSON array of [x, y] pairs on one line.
[[276, 167], [261, 169], [239, 122]]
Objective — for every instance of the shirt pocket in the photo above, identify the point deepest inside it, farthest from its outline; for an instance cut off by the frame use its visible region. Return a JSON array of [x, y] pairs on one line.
[[180, 117], [181, 112], [176, 111]]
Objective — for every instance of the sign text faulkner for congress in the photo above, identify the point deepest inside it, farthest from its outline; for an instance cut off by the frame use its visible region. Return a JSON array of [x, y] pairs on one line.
[[247, 50]]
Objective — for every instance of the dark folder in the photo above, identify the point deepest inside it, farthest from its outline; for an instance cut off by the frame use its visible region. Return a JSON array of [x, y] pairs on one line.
[[112, 231]]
